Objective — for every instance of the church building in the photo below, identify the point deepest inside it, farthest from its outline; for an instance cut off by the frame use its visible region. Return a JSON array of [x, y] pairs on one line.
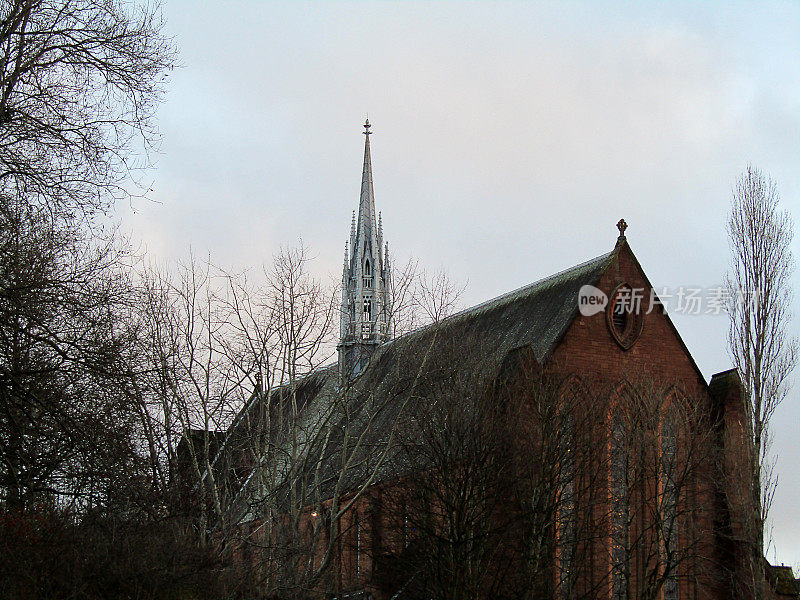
[[558, 441]]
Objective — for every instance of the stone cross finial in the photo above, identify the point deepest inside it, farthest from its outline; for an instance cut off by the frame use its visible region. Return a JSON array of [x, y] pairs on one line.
[[622, 226]]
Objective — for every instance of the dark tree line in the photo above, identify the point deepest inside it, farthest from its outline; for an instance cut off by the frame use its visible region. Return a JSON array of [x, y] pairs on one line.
[[79, 517], [79, 80]]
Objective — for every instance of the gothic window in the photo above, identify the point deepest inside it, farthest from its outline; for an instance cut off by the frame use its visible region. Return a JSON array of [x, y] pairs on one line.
[[624, 315], [368, 307], [669, 501], [567, 519], [619, 506], [367, 278]]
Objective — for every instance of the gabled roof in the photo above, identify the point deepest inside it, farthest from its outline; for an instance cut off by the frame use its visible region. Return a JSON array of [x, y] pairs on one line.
[[534, 316]]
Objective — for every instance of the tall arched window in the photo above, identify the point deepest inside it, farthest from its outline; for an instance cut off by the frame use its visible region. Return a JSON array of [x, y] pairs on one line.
[[573, 398], [669, 474], [567, 518], [619, 500]]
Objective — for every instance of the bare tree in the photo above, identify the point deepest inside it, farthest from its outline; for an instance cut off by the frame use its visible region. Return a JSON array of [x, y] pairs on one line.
[[231, 393], [402, 307], [65, 350], [326, 445], [79, 84], [303, 312], [82, 507], [188, 390], [213, 343], [454, 472], [82, 461], [227, 386], [303, 443], [418, 298], [759, 288], [437, 295]]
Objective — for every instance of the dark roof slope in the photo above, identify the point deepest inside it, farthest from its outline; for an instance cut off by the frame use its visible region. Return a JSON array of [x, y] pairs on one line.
[[535, 315], [476, 340]]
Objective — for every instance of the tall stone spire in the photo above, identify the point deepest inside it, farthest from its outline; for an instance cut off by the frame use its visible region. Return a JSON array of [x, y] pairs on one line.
[[365, 282], [366, 205]]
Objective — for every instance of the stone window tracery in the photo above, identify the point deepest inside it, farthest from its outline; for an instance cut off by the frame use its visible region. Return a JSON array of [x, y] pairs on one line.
[[624, 315]]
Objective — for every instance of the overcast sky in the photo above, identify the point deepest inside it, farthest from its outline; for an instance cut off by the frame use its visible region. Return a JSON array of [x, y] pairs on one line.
[[508, 140]]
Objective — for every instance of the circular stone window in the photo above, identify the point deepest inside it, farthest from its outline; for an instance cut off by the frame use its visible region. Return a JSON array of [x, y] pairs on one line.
[[624, 315]]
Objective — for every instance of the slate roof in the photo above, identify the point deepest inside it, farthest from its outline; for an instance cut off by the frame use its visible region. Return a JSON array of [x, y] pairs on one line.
[[534, 316]]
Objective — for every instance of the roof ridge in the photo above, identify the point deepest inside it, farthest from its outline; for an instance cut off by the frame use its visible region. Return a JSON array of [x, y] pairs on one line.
[[506, 297], [513, 294]]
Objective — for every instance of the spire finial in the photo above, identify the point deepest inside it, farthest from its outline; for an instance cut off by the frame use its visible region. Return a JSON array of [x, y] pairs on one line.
[[622, 226], [366, 127]]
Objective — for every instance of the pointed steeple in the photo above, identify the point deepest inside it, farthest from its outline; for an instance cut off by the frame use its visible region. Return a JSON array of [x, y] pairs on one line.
[[364, 322], [366, 238], [366, 206]]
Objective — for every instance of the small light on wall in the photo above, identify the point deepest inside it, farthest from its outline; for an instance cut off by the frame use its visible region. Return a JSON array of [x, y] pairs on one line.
[[314, 514]]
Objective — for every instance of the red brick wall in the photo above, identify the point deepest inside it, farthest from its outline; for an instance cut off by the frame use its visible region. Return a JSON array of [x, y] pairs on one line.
[[658, 357], [589, 349]]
